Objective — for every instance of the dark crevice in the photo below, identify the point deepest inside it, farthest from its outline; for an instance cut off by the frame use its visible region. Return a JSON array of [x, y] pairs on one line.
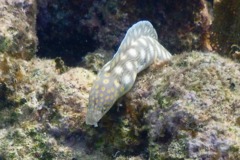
[[60, 33]]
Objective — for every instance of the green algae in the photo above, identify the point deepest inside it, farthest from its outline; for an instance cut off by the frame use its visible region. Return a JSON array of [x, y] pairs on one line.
[[5, 43], [41, 147]]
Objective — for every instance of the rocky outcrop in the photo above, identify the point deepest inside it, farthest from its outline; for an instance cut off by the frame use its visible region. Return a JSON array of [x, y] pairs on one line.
[[192, 108], [35, 99], [185, 108], [17, 30]]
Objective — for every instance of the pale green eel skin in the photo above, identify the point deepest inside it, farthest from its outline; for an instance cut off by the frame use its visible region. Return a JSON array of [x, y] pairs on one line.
[[139, 49]]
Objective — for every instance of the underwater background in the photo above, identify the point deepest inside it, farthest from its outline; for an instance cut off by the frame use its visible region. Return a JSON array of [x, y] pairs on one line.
[[186, 108]]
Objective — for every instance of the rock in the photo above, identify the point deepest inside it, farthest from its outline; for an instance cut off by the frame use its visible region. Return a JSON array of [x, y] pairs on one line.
[[187, 108], [68, 92], [192, 107], [39, 106], [225, 29], [17, 30]]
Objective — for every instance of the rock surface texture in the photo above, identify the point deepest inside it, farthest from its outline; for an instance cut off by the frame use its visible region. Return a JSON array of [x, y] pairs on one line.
[[17, 30], [193, 107], [186, 108]]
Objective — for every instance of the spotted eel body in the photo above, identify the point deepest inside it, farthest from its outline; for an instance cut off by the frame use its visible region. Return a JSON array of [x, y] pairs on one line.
[[138, 50]]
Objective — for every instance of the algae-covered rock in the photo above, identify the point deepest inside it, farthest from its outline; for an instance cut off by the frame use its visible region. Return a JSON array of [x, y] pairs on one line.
[[68, 94], [192, 107], [17, 30], [187, 108], [42, 112]]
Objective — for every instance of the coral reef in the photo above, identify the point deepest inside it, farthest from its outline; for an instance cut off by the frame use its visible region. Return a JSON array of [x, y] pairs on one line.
[[17, 30], [225, 28], [186, 108]]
